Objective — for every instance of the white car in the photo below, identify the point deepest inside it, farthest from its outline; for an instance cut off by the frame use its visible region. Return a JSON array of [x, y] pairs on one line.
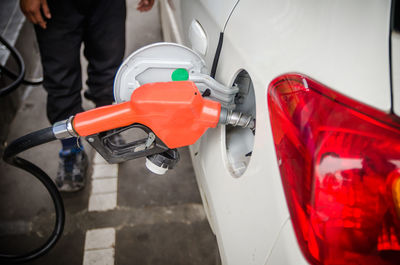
[[319, 180]]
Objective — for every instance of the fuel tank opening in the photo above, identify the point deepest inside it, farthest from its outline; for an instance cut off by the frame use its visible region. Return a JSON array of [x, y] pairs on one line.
[[240, 139]]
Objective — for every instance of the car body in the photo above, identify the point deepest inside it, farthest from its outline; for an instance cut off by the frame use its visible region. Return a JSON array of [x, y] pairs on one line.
[[343, 45]]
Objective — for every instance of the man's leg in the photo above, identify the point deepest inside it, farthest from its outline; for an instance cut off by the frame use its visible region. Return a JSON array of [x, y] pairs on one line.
[[59, 46], [104, 40], [60, 53]]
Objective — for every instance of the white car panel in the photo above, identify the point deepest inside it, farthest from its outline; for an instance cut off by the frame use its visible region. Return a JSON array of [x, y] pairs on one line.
[[211, 15], [197, 38], [343, 44], [177, 16], [285, 250], [316, 38], [247, 211]]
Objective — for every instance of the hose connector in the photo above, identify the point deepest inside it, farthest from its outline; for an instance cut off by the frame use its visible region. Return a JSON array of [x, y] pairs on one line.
[[237, 119], [64, 129]]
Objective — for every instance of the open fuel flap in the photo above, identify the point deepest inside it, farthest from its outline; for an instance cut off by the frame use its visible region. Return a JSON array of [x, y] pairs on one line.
[[157, 63]]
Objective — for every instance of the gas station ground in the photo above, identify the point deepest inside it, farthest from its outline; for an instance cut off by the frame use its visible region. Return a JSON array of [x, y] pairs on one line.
[[125, 215]]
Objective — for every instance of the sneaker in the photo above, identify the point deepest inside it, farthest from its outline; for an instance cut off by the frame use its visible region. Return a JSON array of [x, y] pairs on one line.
[[72, 169]]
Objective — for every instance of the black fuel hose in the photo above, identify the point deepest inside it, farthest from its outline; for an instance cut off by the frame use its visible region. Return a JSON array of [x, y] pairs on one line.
[[10, 156], [18, 78], [11, 74], [20, 62]]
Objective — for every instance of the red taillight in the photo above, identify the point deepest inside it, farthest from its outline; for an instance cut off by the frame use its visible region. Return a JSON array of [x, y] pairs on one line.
[[340, 169]]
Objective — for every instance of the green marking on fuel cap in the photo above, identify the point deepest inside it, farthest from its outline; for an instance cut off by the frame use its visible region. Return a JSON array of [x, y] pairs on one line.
[[180, 74]]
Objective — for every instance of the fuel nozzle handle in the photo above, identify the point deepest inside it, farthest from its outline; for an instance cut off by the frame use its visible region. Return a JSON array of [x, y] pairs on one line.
[[175, 111]]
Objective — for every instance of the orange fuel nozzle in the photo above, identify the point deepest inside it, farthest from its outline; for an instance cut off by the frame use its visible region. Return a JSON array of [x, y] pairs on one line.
[[175, 111]]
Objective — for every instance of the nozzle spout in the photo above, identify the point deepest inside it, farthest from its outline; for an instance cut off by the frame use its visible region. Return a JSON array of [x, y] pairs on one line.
[[237, 119]]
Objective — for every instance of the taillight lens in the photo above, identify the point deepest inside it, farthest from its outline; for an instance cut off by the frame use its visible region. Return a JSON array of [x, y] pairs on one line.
[[340, 169]]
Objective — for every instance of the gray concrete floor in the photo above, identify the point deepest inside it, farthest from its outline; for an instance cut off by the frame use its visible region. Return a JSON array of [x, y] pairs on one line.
[[158, 219]]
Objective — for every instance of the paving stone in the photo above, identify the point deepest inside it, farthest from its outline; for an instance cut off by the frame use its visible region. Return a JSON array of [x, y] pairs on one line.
[[106, 185], [167, 244], [99, 257], [102, 202], [105, 171], [100, 238]]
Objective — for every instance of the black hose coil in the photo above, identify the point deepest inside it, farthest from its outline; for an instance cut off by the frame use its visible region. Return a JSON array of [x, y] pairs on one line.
[[19, 145]]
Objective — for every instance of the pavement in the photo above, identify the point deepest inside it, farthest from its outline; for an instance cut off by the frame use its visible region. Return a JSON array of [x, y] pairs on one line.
[[125, 215]]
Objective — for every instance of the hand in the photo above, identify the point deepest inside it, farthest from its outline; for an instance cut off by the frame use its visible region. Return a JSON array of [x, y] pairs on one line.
[[32, 9], [145, 5]]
